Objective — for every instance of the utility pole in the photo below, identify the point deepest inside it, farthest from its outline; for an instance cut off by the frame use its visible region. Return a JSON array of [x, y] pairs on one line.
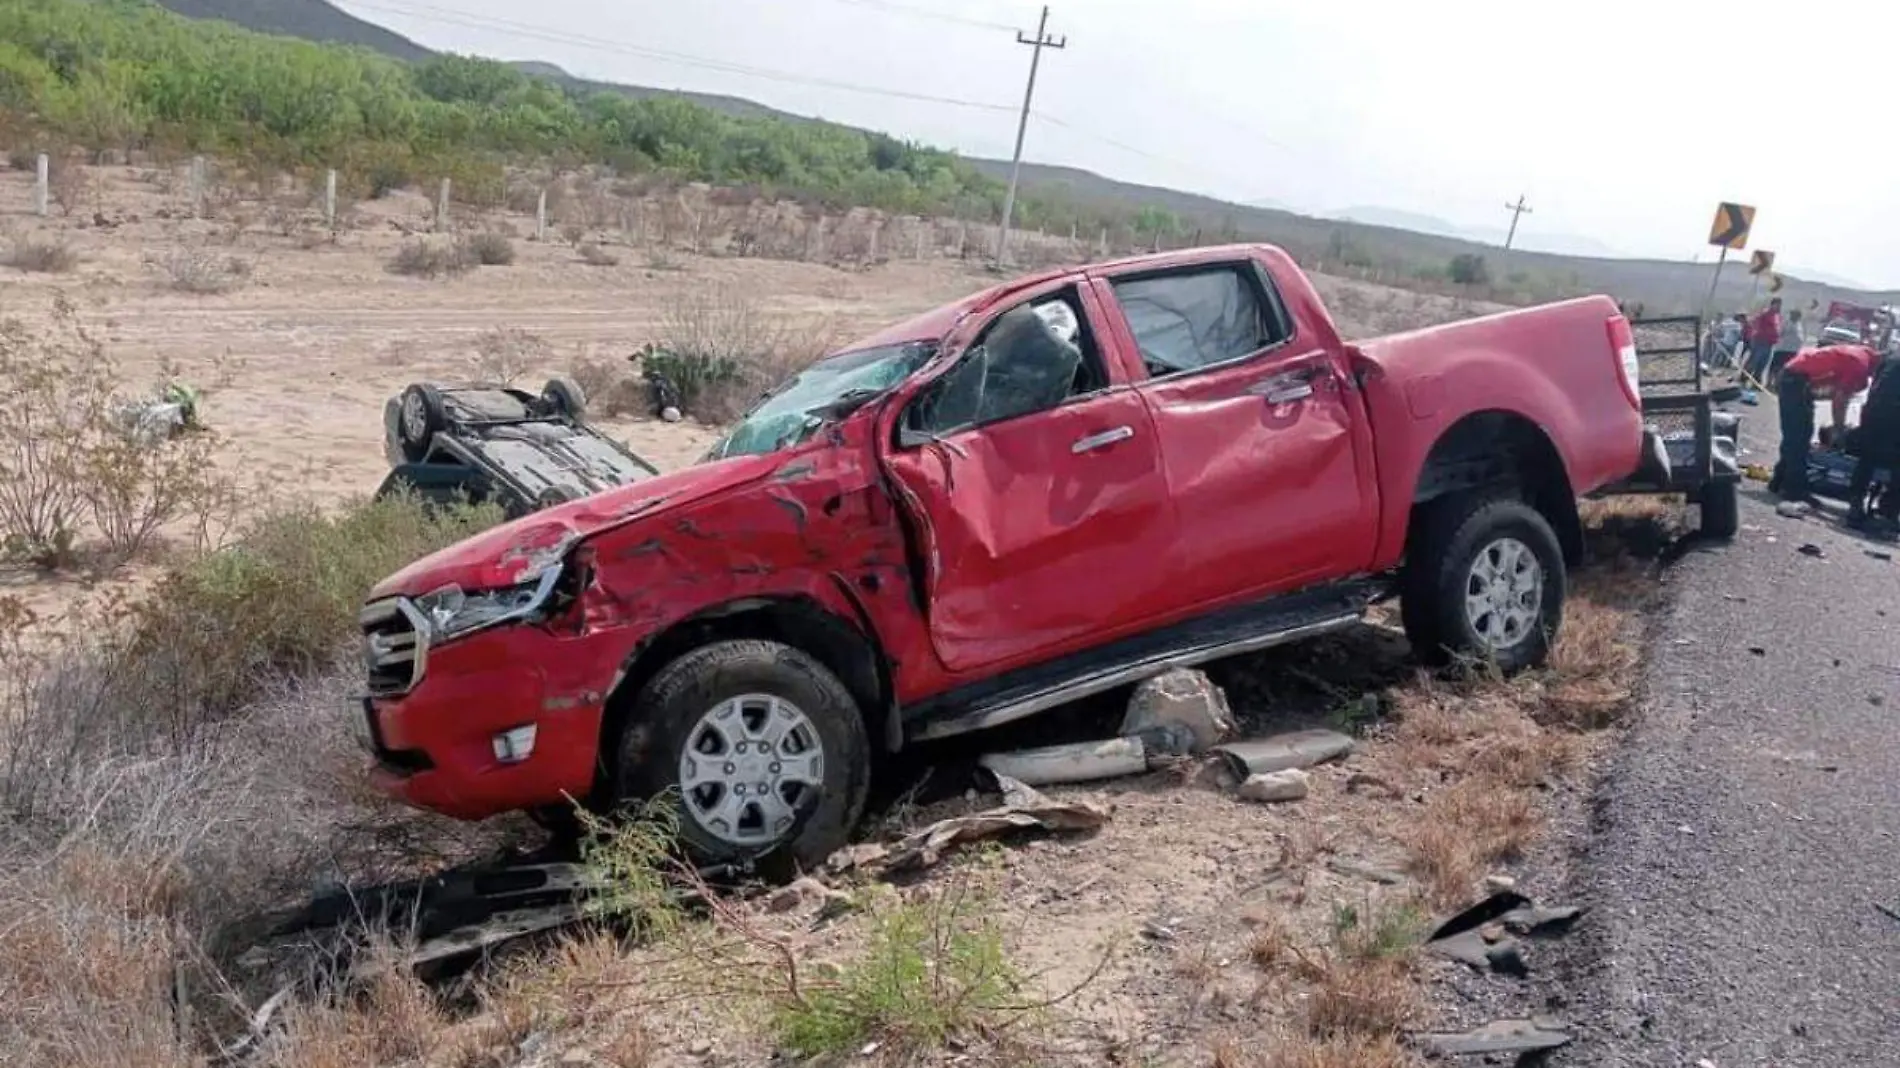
[[1517, 210], [1036, 44]]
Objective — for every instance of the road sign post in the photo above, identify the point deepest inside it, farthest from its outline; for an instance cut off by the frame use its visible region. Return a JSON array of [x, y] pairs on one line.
[[1728, 231]]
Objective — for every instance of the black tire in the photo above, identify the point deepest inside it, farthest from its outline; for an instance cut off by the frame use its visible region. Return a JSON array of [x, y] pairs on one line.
[[565, 396], [1432, 588], [668, 712], [421, 416], [1722, 509]]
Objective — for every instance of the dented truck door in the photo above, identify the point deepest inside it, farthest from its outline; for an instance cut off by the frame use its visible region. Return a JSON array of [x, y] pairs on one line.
[[1263, 439], [1033, 475]]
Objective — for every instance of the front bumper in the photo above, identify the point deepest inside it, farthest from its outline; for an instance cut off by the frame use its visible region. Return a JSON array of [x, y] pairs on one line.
[[432, 730]]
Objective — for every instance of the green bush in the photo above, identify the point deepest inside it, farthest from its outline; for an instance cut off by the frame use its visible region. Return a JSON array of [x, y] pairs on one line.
[[1469, 269], [282, 600]]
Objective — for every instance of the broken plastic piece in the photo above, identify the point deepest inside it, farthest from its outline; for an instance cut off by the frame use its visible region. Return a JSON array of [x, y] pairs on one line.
[[1078, 762], [1023, 809]]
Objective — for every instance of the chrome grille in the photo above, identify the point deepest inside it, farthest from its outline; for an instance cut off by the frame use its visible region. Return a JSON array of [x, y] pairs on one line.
[[395, 645]]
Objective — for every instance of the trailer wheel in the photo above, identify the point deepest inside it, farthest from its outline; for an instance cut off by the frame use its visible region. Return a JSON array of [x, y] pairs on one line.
[[1721, 508], [762, 748], [564, 396], [1483, 580], [422, 416]]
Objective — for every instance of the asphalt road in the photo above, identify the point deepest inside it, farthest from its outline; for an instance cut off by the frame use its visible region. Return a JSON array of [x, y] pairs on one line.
[[1744, 841]]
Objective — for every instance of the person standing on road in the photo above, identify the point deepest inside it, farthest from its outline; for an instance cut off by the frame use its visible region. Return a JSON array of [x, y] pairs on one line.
[[1877, 445], [1833, 371], [1764, 333], [1793, 338]]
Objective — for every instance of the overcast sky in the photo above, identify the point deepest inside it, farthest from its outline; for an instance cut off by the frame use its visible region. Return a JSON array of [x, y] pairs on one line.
[[1614, 117]]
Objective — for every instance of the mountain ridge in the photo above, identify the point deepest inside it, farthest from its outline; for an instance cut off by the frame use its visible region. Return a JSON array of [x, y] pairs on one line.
[[1664, 282]]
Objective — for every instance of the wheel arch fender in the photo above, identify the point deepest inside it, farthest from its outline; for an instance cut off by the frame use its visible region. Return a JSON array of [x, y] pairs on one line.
[[1503, 451]]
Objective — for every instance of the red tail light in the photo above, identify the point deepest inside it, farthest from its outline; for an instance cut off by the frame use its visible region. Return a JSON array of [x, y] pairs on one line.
[[1623, 350]]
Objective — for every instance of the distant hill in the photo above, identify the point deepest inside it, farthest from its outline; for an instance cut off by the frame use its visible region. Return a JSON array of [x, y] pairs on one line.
[[313, 20], [1386, 242]]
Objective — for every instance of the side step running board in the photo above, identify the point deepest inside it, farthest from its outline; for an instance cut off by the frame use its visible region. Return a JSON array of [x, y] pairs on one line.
[[986, 716]]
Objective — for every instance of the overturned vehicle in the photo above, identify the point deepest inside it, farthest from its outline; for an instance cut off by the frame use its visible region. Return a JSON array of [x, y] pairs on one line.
[[489, 443]]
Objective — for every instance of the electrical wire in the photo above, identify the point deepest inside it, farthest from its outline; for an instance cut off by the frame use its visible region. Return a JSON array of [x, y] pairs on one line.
[[427, 13], [934, 16]]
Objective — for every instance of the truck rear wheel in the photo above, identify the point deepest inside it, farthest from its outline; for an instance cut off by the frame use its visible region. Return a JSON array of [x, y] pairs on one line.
[[1484, 580], [763, 746]]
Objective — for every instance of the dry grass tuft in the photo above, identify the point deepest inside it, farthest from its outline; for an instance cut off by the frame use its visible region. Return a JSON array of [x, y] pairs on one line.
[[422, 258], [491, 249], [201, 271], [42, 255], [594, 255]]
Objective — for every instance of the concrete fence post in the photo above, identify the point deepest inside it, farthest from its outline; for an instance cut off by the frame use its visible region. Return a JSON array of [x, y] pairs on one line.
[[197, 187], [541, 216], [921, 226], [42, 185], [442, 208], [1101, 243], [329, 198]]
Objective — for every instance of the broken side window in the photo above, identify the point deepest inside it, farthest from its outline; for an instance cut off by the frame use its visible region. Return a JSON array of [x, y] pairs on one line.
[[1186, 320], [1031, 359]]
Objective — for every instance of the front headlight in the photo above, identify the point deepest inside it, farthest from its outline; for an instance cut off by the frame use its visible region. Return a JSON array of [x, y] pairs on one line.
[[453, 611]]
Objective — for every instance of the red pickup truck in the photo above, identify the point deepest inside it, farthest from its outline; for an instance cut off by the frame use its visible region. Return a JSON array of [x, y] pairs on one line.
[[1060, 485]]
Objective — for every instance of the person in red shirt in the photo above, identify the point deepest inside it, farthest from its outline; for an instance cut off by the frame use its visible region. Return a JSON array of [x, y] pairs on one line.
[[1764, 330], [1833, 371]]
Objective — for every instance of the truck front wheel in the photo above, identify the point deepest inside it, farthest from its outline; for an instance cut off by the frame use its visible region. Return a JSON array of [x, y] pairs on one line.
[[1484, 580], [763, 746]]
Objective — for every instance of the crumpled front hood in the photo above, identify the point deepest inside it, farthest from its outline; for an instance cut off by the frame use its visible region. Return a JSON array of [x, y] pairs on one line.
[[518, 550]]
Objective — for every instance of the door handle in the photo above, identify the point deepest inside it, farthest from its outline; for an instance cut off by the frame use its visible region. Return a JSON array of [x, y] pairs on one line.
[[1287, 387], [1102, 440]]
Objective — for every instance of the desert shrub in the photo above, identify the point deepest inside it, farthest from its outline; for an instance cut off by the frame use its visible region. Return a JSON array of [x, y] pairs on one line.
[[1469, 269], [492, 249], [935, 968], [721, 349], [595, 256], [504, 354], [282, 600], [202, 271], [58, 386], [70, 186], [423, 258], [44, 255]]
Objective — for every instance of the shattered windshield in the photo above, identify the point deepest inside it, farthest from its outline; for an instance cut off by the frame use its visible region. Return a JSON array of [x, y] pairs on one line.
[[825, 390]]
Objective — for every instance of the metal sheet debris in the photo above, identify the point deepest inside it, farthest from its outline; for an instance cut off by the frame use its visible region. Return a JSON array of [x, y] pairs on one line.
[[1487, 935], [1077, 762], [1282, 752], [1023, 809]]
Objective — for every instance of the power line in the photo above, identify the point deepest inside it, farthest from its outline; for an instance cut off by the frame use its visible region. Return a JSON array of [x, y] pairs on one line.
[[1518, 211], [427, 13], [934, 16]]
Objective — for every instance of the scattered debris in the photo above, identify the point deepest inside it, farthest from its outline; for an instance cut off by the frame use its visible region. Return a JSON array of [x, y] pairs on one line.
[[1498, 1036], [1498, 884], [1283, 752], [1808, 548], [1793, 510], [1880, 554], [1487, 935], [156, 420], [1182, 698], [1892, 914], [1288, 785], [1362, 871], [1076, 762], [1758, 650], [799, 893], [1023, 809]]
